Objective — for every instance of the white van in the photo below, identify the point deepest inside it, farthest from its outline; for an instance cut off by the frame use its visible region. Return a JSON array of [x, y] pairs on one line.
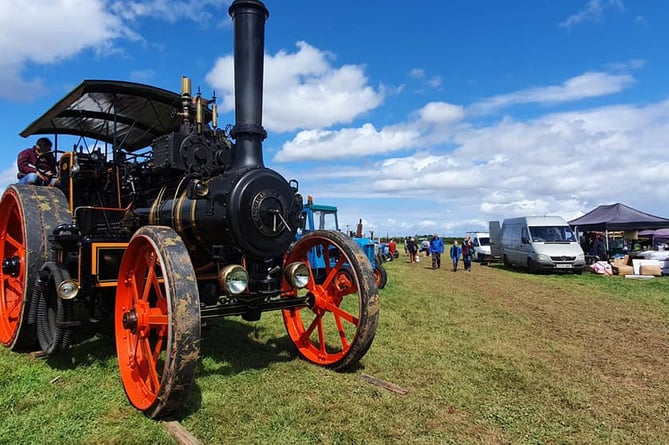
[[541, 243], [481, 241]]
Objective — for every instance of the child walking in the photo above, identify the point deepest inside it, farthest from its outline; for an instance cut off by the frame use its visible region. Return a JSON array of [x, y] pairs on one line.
[[455, 255]]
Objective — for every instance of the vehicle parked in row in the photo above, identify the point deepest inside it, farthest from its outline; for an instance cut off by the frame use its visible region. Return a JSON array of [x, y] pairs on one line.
[[540, 243], [481, 242]]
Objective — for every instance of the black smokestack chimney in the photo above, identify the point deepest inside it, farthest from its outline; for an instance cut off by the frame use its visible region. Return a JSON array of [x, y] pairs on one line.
[[248, 18]]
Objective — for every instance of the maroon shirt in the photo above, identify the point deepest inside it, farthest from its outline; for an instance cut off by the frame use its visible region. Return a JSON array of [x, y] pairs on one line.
[[27, 162]]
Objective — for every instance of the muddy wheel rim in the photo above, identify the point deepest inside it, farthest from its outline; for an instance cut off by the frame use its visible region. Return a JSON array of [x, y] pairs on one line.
[[157, 321]]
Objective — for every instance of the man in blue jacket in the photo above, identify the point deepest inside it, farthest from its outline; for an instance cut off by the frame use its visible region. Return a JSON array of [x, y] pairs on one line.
[[436, 249]]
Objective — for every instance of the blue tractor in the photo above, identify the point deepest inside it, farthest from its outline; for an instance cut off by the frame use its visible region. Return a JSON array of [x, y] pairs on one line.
[[324, 217]]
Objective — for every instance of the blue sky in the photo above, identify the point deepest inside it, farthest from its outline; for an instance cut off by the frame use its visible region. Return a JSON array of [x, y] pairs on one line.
[[418, 117]]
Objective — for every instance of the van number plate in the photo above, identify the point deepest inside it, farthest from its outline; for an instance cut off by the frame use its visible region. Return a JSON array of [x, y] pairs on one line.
[[563, 266]]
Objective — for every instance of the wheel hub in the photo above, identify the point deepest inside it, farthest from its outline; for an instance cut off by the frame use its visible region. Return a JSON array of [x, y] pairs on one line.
[[130, 320], [310, 300], [11, 266]]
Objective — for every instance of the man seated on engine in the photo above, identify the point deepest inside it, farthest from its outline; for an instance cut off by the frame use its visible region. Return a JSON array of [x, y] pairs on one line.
[[37, 165]]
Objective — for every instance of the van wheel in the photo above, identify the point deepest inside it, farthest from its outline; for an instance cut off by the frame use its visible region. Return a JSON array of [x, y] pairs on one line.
[[506, 262], [531, 266]]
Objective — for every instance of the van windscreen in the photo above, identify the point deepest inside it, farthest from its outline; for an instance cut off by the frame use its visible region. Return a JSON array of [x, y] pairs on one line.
[[552, 234]]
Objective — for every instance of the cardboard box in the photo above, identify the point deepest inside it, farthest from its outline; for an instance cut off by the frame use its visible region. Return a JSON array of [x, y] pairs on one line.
[[621, 266], [650, 269], [623, 270], [638, 263], [620, 261]]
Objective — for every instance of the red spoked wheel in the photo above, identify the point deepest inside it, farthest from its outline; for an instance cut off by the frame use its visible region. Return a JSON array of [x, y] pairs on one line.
[[157, 321], [380, 276], [28, 214], [338, 326]]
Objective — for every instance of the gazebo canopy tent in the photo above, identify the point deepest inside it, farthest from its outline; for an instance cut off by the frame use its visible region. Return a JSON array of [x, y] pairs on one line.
[[659, 236], [612, 217], [618, 216]]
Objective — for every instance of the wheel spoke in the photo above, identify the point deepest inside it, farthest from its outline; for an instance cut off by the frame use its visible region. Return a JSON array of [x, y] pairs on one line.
[[151, 378], [158, 347], [11, 299], [14, 285], [150, 281], [342, 333], [316, 322], [341, 313], [333, 272], [156, 317], [134, 291], [16, 244], [321, 337], [13, 309]]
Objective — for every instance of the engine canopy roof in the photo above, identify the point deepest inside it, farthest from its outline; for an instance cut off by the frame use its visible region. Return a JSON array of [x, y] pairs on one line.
[[127, 115]]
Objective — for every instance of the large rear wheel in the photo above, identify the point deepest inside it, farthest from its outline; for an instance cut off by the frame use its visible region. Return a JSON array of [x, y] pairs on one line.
[[338, 326], [157, 321], [28, 214]]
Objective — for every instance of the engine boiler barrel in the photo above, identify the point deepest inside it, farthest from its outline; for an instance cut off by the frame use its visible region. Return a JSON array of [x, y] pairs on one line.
[[249, 18], [255, 210]]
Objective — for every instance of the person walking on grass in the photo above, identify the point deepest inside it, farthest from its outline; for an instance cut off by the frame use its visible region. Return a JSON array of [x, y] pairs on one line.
[[412, 248], [455, 255], [425, 247], [436, 249], [467, 250]]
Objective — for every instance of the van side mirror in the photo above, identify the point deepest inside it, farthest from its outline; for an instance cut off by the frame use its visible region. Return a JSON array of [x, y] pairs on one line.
[[525, 240]]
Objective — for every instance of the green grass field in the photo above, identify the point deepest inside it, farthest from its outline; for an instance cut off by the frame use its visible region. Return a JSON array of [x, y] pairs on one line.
[[493, 356]]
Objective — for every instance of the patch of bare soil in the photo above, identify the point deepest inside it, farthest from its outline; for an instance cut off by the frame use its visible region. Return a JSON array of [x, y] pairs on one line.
[[617, 347]]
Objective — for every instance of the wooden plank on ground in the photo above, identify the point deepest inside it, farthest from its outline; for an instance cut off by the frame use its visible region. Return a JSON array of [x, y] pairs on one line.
[[181, 434], [383, 384]]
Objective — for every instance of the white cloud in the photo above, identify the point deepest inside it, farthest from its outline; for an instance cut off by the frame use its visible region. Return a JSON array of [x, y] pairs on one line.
[[592, 12], [441, 112], [587, 85], [435, 82], [171, 10], [420, 74], [366, 140], [303, 90], [44, 32], [345, 143], [7, 177]]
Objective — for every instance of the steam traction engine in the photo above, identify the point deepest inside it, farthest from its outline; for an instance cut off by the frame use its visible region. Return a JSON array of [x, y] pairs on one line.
[[167, 221]]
